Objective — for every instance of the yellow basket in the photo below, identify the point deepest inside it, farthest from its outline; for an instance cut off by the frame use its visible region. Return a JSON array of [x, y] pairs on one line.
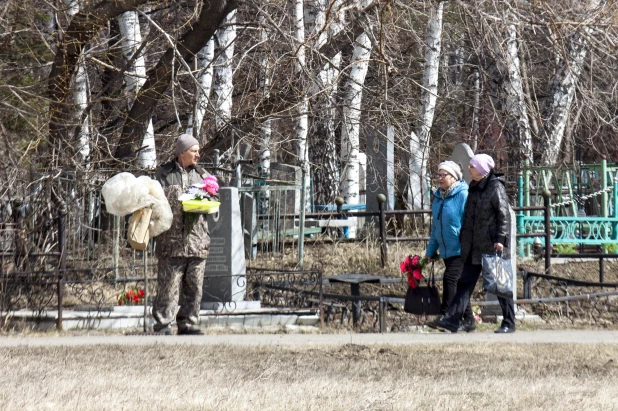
[[200, 206]]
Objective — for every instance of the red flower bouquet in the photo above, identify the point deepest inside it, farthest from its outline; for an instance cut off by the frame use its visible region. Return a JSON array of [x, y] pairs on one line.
[[133, 296], [413, 267]]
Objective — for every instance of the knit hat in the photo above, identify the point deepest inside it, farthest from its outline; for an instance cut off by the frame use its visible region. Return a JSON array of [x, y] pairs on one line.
[[185, 142], [483, 163], [452, 168]]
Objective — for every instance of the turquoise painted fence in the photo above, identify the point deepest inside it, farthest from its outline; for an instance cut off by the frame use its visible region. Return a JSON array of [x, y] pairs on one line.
[[575, 193]]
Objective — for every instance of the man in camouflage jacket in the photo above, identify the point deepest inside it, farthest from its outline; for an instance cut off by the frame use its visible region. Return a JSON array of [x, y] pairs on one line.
[[182, 250]]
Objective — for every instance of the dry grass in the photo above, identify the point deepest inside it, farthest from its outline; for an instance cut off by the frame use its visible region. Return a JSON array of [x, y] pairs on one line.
[[338, 257], [349, 377]]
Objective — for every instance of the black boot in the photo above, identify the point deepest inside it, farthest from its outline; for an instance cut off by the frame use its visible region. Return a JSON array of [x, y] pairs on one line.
[[442, 323], [433, 324], [468, 325], [190, 330]]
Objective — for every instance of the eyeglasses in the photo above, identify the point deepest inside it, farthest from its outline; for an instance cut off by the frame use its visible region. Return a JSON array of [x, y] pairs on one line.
[[442, 175]]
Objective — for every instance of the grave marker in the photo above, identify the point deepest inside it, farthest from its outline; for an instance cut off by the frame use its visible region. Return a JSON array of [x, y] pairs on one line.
[[224, 277], [380, 169], [462, 153]]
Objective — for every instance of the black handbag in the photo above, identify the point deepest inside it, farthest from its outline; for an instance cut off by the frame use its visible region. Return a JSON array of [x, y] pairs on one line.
[[423, 300]]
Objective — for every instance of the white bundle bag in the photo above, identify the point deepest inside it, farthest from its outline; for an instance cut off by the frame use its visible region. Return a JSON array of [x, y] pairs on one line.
[[124, 194]]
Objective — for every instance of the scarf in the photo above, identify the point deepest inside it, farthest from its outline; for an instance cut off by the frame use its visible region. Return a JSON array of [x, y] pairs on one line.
[[447, 192]]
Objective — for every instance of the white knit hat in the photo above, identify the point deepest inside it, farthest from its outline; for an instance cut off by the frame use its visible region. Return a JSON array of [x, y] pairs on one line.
[[452, 168]]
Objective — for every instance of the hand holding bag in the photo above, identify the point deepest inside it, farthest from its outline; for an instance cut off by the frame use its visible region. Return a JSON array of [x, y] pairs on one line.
[[423, 300], [497, 275]]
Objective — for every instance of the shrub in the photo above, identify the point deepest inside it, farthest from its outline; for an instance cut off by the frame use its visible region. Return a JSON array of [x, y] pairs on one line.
[[564, 249], [611, 248]]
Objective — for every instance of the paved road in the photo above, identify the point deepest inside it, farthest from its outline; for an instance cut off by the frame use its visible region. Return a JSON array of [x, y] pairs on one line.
[[520, 337]]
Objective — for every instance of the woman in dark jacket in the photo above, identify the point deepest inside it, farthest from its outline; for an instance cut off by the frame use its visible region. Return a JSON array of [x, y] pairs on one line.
[[485, 229]]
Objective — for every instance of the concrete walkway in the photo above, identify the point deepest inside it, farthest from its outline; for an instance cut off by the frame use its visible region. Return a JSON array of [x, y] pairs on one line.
[[520, 337]]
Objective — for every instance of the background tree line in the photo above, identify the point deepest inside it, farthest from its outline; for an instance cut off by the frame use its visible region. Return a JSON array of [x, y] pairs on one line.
[[94, 86]]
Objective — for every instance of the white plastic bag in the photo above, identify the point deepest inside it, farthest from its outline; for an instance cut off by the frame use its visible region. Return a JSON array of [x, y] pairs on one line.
[[125, 194], [161, 219]]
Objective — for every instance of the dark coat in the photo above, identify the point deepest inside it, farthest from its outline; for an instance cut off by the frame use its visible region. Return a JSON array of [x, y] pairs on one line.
[[486, 220], [188, 236]]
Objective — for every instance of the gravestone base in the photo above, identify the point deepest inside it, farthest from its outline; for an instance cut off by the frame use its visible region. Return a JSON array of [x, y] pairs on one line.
[[231, 306]]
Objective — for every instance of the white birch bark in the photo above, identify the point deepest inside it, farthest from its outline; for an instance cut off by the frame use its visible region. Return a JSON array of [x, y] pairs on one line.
[[72, 7], [135, 78], [81, 102], [562, 91], [419, 140], [476, 109], [560, 99], [338, 22], [223, 86], [315, 22], [517, 123], [350, 135], [80, 97], [266, 127], [205, 70], [302, 117], [324, 150]]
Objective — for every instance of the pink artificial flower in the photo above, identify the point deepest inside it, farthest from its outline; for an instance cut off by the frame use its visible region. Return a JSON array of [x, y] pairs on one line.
[[211, 185]]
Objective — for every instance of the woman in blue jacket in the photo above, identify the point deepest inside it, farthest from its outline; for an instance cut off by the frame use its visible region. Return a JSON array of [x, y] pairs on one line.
[[447, 214]]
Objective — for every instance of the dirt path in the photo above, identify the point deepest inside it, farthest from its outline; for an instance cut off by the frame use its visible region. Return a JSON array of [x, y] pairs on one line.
[[520, 337]]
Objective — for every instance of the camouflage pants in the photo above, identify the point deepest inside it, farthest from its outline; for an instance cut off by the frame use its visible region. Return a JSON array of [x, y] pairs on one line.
[[179, 283]]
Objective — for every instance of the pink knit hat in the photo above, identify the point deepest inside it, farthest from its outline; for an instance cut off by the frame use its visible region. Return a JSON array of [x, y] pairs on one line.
[[483, 163]]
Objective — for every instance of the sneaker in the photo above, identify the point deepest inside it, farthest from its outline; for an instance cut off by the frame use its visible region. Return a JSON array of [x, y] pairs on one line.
[[505, 330], [468, 325], [162, 329], [190, 330]]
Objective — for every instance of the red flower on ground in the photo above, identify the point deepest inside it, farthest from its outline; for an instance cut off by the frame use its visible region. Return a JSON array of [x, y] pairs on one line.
[[132, 296]]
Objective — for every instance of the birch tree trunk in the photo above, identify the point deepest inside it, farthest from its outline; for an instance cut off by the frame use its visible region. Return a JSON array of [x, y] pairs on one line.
[[302, 117], [266, 127], [315, 22], [419, 140], [324, 150], [223, 70], [81, 102], [80, 97], [350, 134], [198, 33], [135, 78], [560, 99], [476, 109], [519, 137], [205, 68], [562, 91]]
